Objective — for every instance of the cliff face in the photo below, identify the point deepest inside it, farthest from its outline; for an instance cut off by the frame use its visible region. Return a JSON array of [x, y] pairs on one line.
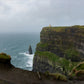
[[11, 75], [5, 62], [67, 43], [59, 41]]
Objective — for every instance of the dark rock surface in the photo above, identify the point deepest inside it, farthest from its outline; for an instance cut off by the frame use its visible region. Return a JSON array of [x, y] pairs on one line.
[[12, 75], [30, 50], [58, 42], [62, 41], [44, 65]]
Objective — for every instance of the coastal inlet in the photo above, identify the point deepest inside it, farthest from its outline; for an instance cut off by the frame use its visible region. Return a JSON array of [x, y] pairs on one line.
[[16, 45]]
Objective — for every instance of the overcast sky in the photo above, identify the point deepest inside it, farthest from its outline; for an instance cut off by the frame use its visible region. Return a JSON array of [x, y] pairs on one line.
[[32, 15]]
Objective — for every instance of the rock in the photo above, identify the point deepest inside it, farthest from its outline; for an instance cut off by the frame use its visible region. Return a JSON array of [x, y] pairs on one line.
[[5, 63], [30, 50], [65, 42]]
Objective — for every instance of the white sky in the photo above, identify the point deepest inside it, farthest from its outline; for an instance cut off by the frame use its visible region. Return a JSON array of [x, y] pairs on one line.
[[32, 15]]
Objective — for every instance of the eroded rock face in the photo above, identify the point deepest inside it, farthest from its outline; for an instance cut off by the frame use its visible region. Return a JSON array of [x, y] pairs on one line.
[[45, 65], [59, 42], [66, 42]]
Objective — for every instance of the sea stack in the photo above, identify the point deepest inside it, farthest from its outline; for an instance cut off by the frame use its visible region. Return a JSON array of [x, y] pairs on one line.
[[30, 50]]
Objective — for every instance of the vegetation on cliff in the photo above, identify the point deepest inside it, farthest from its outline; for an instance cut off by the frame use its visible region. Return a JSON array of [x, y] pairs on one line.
[[63, 41], [62, 29], [72, 54], [78, 71], [61, 47], [4, 57], [56, 61], [56, 76]]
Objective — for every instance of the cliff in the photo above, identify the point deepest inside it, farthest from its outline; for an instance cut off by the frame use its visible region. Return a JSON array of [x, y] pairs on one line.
[[60, 40], [59, 50], [11, 75], [56, 55]]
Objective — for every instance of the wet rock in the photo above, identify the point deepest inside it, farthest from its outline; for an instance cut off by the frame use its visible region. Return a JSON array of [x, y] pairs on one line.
[[30, 50]]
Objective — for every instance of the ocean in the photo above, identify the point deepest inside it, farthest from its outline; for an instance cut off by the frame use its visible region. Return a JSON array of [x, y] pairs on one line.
[[16, 45]]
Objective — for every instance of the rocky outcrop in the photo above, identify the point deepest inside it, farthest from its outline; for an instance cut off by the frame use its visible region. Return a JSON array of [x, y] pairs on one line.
[[30, 50], [67, 43], [4, 58], [5, 61]]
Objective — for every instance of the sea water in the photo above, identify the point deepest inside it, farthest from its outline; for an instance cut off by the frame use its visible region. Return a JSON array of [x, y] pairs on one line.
[[16, 45]]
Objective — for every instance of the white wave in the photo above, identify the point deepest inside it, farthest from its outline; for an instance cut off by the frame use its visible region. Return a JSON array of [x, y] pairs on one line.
[[29, 63], [30, 56], [26, 54]]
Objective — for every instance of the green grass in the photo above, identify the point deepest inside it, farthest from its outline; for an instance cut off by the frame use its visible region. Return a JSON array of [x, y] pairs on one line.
[[4, 56], [72, 54], [46, 54], [78, 71], [57, 29], [58, 76], [62, 29], [80, 66], [42, 45], [58, 61]]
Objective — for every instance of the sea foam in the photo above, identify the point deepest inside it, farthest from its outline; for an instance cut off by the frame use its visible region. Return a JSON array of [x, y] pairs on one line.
[[29, 63]]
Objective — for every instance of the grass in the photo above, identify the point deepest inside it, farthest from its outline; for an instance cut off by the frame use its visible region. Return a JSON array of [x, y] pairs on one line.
[[56, 60], [42, 45], [72, 54], [78, 71], [46, 54], [62, 29], [4, 56], [58, 76], [57, 29], [80, 66]]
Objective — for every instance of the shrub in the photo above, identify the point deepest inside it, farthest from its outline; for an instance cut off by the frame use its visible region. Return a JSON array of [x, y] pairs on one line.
[[78, 71], [58, 76]]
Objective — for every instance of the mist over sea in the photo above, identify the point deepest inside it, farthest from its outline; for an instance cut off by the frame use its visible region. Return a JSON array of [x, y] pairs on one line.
[[16, 45]]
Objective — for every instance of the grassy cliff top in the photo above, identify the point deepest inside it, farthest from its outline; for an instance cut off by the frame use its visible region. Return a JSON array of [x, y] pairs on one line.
[[4, 56], [61, 28]]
